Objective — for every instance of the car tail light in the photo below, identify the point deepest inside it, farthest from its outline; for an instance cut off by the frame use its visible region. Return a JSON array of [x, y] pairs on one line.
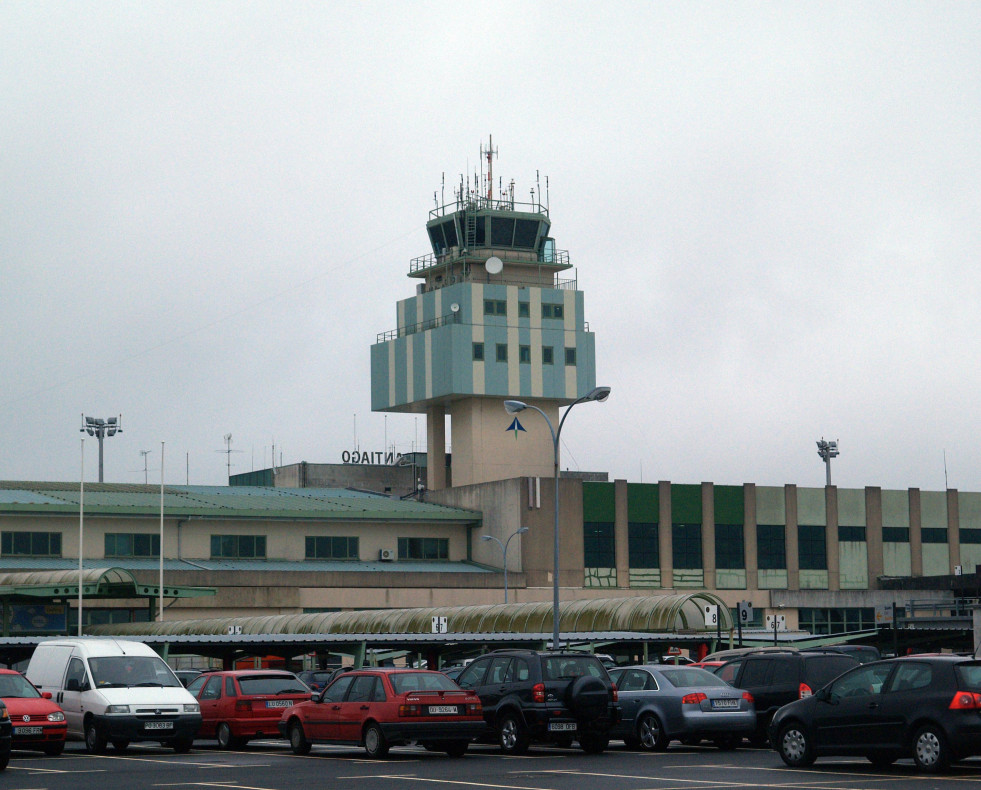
[[410, 710], [748, 697], [693, 699], [965, 700], [475, 709], [616, 693], [243, 704], [538, 692], [804, 691]]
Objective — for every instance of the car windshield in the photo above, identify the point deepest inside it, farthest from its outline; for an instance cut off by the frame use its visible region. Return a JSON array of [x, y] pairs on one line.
[[569, 667], [272, 684], [124, 671], [403, 682], [16, 686], [689, 677]]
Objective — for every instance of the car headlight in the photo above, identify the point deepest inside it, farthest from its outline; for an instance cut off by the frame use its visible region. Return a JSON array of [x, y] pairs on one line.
[[117, 709], [56, 716], [195, 708], [5, 714]]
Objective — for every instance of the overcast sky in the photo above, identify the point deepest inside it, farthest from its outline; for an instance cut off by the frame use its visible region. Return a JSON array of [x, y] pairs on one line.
[[208, 211]]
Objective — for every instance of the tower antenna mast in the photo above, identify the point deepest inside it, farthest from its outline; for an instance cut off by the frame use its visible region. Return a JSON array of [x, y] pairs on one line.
[[490, 152]]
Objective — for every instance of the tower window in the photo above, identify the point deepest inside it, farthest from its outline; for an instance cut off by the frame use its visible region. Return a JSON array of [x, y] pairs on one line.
[[495, 307], [570, 356], [552, 310], [547, 354], [502, 352], [478, 352], [524, 310], [524, 354]]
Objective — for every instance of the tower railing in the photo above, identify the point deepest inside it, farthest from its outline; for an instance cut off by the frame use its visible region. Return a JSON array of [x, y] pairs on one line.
[[476, 202], [558, 258], [422, 326]]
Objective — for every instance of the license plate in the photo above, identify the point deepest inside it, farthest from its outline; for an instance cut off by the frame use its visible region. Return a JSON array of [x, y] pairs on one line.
[[728, 704], [561, 726], [28, 731], [158, 725], [279, 703], [442, 710]]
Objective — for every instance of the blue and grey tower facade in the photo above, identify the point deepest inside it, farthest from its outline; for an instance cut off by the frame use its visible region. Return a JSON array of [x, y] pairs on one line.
[[495, 316]]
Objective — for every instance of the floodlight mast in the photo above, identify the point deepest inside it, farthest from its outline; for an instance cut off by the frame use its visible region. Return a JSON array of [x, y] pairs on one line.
[[827, 451], [101, 428]]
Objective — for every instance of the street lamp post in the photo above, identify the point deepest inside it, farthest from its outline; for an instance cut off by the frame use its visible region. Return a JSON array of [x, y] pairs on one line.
[[100, 429], [504, 551], [513, 407]]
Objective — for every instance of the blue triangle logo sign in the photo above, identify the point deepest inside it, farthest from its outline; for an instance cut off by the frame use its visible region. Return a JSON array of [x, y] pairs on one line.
[[516, 426]]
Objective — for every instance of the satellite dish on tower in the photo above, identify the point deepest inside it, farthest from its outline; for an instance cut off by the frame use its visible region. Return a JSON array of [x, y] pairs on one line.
[[494, 265], [454, 308]]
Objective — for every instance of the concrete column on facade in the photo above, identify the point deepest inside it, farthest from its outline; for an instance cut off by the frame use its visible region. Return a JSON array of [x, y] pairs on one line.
[[436, 448], [749, 536], [620, 533], [664, 533], [873, 534], [954, 529], [708, 536], [793, 553], [831, 537], [915, 533]]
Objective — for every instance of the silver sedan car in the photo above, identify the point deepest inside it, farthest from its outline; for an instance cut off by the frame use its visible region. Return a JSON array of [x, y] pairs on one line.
[[662, 703]]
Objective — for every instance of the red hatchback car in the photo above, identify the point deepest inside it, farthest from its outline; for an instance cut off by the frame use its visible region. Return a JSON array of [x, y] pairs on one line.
[[38, 722], [380, 708], [241, 704]]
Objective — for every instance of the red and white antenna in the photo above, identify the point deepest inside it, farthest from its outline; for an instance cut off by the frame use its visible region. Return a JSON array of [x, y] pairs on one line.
[[490, 153]]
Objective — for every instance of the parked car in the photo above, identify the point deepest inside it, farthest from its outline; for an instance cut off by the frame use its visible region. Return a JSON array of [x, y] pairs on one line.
[[38, 723], [317, 679], [5, 736], [774, 678], [531, 696], [238, 705], [924, 707], [453, 672], [380, 708], [862, 653], [664, 702], [708, 666], [185, 676]]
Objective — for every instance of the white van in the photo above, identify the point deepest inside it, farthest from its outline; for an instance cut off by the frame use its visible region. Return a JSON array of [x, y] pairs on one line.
[[115, 692]]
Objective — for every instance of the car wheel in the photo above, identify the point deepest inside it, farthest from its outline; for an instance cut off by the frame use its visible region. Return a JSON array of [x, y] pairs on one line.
[[224, 735], [794, 745], [651, 733], [374, 741], [594, 742], [95, 740], [53, 749], [298, 740], [457, 748], [120, 744], [512, 735], [181, 745], [930, 751]]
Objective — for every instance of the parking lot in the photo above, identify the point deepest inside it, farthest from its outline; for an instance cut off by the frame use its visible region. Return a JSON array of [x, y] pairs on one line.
[[269, 765]]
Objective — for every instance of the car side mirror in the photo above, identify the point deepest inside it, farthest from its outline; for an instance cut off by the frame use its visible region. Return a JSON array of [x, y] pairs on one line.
[[46, 694]]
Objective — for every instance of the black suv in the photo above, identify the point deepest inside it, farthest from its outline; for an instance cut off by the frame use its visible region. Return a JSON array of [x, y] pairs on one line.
[[552, 697], [775, 678]]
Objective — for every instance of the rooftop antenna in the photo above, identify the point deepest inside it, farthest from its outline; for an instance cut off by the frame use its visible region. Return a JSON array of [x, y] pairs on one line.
[[490, 153], [443, 189], [538, 184], [946, 486], [546, 193], [145, 453], [228, 453]]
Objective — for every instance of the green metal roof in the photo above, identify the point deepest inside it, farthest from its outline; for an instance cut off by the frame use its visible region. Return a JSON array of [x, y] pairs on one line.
[[222, 502], [665, 613], [96, 583]]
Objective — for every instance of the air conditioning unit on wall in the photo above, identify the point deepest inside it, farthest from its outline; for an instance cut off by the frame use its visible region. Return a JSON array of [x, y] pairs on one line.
[[386, 555]]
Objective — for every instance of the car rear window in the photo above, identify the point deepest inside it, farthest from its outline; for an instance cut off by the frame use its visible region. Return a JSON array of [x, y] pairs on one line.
[[692, 677], [819, 670], [403, 682], [271, 684], [968, 676], [570, 667]]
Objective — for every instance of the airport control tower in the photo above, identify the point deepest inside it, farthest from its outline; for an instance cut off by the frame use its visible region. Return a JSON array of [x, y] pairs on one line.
[[495, 316]]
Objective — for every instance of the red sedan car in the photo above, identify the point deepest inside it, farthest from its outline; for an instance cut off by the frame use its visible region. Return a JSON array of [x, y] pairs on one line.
[[240, 704], [38, 723], [380, 708]]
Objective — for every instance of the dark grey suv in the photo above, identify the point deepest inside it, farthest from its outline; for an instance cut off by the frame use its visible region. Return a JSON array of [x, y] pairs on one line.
[[554, 697], [775, 678]]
